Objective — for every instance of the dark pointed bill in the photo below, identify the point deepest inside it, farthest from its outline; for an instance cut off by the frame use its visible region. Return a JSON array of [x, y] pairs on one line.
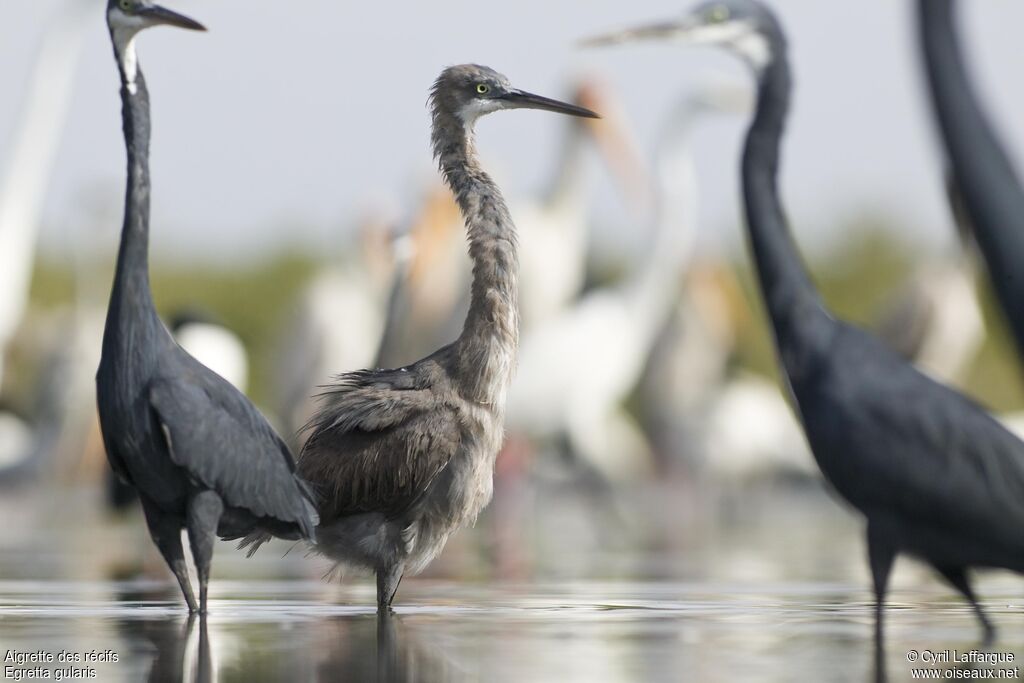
[[658, 31], [162, 15], [526, 100]]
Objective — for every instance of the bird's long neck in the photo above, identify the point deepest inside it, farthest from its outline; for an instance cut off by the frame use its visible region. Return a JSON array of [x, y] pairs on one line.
[[490, 335], [785, 285], [986, 179], [131, 297]]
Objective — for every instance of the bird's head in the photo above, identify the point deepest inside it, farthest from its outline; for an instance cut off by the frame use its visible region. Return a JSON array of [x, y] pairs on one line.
[[128, 17], [469, 91], [746, 28]]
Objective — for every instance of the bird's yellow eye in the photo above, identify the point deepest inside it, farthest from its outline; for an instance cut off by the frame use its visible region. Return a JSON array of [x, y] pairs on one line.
[[719, 14], [483, 88], [126, 5]]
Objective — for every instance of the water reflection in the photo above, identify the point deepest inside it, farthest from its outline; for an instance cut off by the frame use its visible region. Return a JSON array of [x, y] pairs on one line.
[[182, 650], [394, 656], [778, 594], [362, 647]]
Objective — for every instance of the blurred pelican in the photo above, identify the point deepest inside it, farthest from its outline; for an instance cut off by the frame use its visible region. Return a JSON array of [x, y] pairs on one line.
[[554, 231], [34, 148], [213, 345], [576, 369], [338, 323], [936, 321]]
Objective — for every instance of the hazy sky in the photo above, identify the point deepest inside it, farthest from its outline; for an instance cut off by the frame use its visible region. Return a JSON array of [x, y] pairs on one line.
[[289, 119]]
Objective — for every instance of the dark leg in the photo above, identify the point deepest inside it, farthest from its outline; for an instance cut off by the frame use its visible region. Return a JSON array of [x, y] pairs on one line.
[[166, 534], [387, 585], [881, 557], [958, 579], [204, 510]]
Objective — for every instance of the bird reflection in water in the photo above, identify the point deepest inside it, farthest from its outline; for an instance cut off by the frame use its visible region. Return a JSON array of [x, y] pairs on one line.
[[397, 658], [182, 648]]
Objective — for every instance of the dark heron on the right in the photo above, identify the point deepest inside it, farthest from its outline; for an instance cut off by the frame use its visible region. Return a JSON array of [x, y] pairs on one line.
[[935, 476], [989, 189]]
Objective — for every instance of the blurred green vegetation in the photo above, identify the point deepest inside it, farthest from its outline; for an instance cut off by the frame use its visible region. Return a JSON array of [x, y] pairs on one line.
[[856, 277], [254, 301]]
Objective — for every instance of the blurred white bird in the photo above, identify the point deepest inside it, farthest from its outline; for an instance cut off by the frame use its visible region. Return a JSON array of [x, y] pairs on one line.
[[554, 232], [34, 149], [936, 321], [213, 345], [576, 370], [338, 322]]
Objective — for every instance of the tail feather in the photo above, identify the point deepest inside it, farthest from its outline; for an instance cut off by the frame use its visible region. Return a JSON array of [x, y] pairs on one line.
[[253, 541]]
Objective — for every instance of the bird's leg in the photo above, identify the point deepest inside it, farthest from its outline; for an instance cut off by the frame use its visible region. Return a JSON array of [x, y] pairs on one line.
[[204, 511], [388, 579], [958, 579], [166, 534], [881, 557]]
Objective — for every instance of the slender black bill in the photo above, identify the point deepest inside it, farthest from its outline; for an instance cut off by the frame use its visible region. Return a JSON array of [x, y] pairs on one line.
[[162, 15], [525, 100], [659, 31]]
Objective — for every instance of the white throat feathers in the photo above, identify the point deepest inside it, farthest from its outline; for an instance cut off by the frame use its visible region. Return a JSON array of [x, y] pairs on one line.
[[475, 109], [124, 28], [742, 38]]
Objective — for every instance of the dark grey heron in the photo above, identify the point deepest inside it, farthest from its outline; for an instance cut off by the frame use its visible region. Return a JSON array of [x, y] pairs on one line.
[[199, 454], [990, 190], [935, 476], [402, 458]]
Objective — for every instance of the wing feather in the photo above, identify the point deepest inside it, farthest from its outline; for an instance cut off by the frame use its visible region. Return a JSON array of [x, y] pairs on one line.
[[379, 441], [214, 433]]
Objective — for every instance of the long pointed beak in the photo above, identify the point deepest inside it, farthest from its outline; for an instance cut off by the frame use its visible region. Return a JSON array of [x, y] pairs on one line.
[[658, 31], [156, 14], [518, 99]]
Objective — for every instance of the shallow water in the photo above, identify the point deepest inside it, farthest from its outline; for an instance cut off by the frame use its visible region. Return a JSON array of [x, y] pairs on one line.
[[273, 630], [779, 594]]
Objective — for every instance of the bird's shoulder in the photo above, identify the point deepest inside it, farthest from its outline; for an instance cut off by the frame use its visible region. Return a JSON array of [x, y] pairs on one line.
[[372, 400], [192, 388], [381, 438]]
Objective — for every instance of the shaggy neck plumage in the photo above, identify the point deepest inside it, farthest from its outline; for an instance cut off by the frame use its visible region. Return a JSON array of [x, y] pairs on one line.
[[788, 293], [490, 334]]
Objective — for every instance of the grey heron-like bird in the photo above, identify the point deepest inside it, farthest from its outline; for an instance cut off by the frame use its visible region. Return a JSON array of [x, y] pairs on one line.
[[935, 476], [990, 189], [200, 455], [403, 458]]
